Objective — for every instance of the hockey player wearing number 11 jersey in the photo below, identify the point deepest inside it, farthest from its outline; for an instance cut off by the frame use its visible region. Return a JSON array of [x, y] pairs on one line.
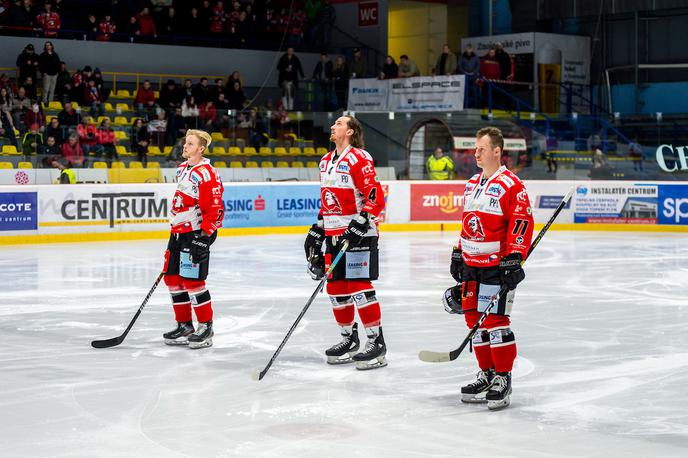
[[496, 233]]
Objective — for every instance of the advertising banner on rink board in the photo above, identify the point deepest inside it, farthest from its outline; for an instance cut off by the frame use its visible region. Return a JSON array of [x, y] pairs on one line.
[[18, 211], [274, 205], [426, 93], [616, 203], [437, 202], [673, 204]]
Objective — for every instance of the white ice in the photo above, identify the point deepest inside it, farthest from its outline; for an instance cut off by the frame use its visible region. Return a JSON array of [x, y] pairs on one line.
[[602, 370]]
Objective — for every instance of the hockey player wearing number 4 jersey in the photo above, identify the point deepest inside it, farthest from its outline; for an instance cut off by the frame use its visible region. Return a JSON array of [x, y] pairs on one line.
[[352, 198], [496, 233]]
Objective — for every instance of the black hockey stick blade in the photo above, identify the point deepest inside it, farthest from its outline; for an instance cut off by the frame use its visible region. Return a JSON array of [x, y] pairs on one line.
[[443, 357], [107, 343]]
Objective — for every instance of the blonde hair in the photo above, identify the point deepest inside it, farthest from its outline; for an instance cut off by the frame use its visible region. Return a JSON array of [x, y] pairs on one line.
[[203, 137]]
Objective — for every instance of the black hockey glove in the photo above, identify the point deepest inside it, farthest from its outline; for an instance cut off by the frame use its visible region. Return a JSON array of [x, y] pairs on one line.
[[452, 300], [358, 227], [456, 266], [200, 248], [316, 267], [510, 271], [314, 240]]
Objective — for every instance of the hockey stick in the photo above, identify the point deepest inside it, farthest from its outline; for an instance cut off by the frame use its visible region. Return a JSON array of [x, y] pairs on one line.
[[107, 343], [258, 375], [443, 357]]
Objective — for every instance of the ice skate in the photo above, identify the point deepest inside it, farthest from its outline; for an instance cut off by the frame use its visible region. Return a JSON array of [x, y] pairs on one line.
[[374, 354], [343, 352], [203, 337], [499, 395], [475, 392], [180, 335]]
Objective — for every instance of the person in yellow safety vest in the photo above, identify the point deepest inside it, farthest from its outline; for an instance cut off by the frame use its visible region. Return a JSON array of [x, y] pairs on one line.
[[67, 175], [439, 166]]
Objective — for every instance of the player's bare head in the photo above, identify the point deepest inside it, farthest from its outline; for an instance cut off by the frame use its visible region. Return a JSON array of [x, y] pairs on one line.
[[345, 131], [196, 142], [495, 136]]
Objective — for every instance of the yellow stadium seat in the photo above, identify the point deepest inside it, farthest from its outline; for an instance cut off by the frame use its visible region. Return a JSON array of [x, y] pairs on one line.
[[282, 164], [312, 165], [220, 164], [108, 107], [265, 151], [120, 135], [103, 118], [6, 165], [154, 151], [217, 137], [280, 151], [120, 121], [250, 151], [123, 106], [100, 165], [236, 164], [153, 165], [167, 150], [121, 150], [297, 165], [219, 151], [10, 149], [135, 165], [157, 94], [54, 105], [266, 164], [123, 93], [295, 151], [321, 151], [251, 164], [309, 151], [25, 165], [49, 118], [118, 165], [234, 151]]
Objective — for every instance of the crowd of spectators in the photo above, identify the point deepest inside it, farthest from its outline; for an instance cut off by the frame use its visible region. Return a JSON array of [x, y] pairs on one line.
[[245, 23]]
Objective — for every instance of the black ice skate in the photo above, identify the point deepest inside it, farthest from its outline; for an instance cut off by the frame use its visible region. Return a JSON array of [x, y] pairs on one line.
[[499, 395], [474, 393], [374, 354], [180, 335], [344, 350], [203, 337]]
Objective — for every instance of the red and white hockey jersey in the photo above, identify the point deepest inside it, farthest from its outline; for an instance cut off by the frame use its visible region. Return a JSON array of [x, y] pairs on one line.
[[50, 23], [348, 186], [497, 219], [197, 203]]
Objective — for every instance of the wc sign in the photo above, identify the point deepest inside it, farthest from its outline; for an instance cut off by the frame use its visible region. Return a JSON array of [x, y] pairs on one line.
[[368, 14]]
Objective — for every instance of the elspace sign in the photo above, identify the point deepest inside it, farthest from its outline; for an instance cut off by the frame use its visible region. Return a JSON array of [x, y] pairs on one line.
[[673, 204]]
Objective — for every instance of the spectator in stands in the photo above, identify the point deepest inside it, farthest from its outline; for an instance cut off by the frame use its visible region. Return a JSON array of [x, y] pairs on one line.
[[202, 92], [280, 116], [106, 141], [106, 28], [132, 28], [218, 89], [187, 90], [67, 175], [175, 127], [340, 74], [93, 99], [21, 105], [359, 66], [236, 98], [208, 116], [35, 116], [190, 112], [87, 135], [157, 129], [446, 62], [322, 73], [145, 100], [235, 76], [78, 84], [49, 21], [32, 141], [194, 25], [7, 128], [504, 61], [222, 108], [489, 69], [49, 65], [439, 166], [635, 152], [5, 101], [30, 87], [390, 69], [218, 17], [257, 133], [72, 152], [69, 118], [6, 121], [100, 84], [469, 64], [176, 155], [289, 68], [6, 82], [170, 24], [51, 147], [91, 26], [63, 83], [55, 130], [140, 139], [407, 67], [146, 24], [297, 23], [23, 17], [170, 97], [27, 62]]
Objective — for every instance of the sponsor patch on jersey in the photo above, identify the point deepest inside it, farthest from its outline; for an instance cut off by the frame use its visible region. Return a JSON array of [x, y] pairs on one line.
[[368, 169], [194, 178], [529, 210], [344, 167], [357, 265], [205, 174], [494, 190], [519, 240], [506, 180]]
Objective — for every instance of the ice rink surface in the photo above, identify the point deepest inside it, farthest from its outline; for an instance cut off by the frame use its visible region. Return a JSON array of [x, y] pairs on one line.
[[600, 322]]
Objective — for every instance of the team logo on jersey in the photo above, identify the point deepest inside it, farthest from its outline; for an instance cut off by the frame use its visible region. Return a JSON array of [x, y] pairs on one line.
[[330, 203], [522, 196], [473, 226]]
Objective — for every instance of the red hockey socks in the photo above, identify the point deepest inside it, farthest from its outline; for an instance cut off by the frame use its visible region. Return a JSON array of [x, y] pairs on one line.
[[181, 302], [480, 341], [200, 299], [502, 342]]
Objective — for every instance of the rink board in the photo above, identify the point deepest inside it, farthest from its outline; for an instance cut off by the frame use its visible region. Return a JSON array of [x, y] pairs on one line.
[[87, 212]]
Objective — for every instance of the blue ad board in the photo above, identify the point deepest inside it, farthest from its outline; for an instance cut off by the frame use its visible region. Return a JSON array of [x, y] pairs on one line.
[[673, 204], [18, 211], [273, 205]]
